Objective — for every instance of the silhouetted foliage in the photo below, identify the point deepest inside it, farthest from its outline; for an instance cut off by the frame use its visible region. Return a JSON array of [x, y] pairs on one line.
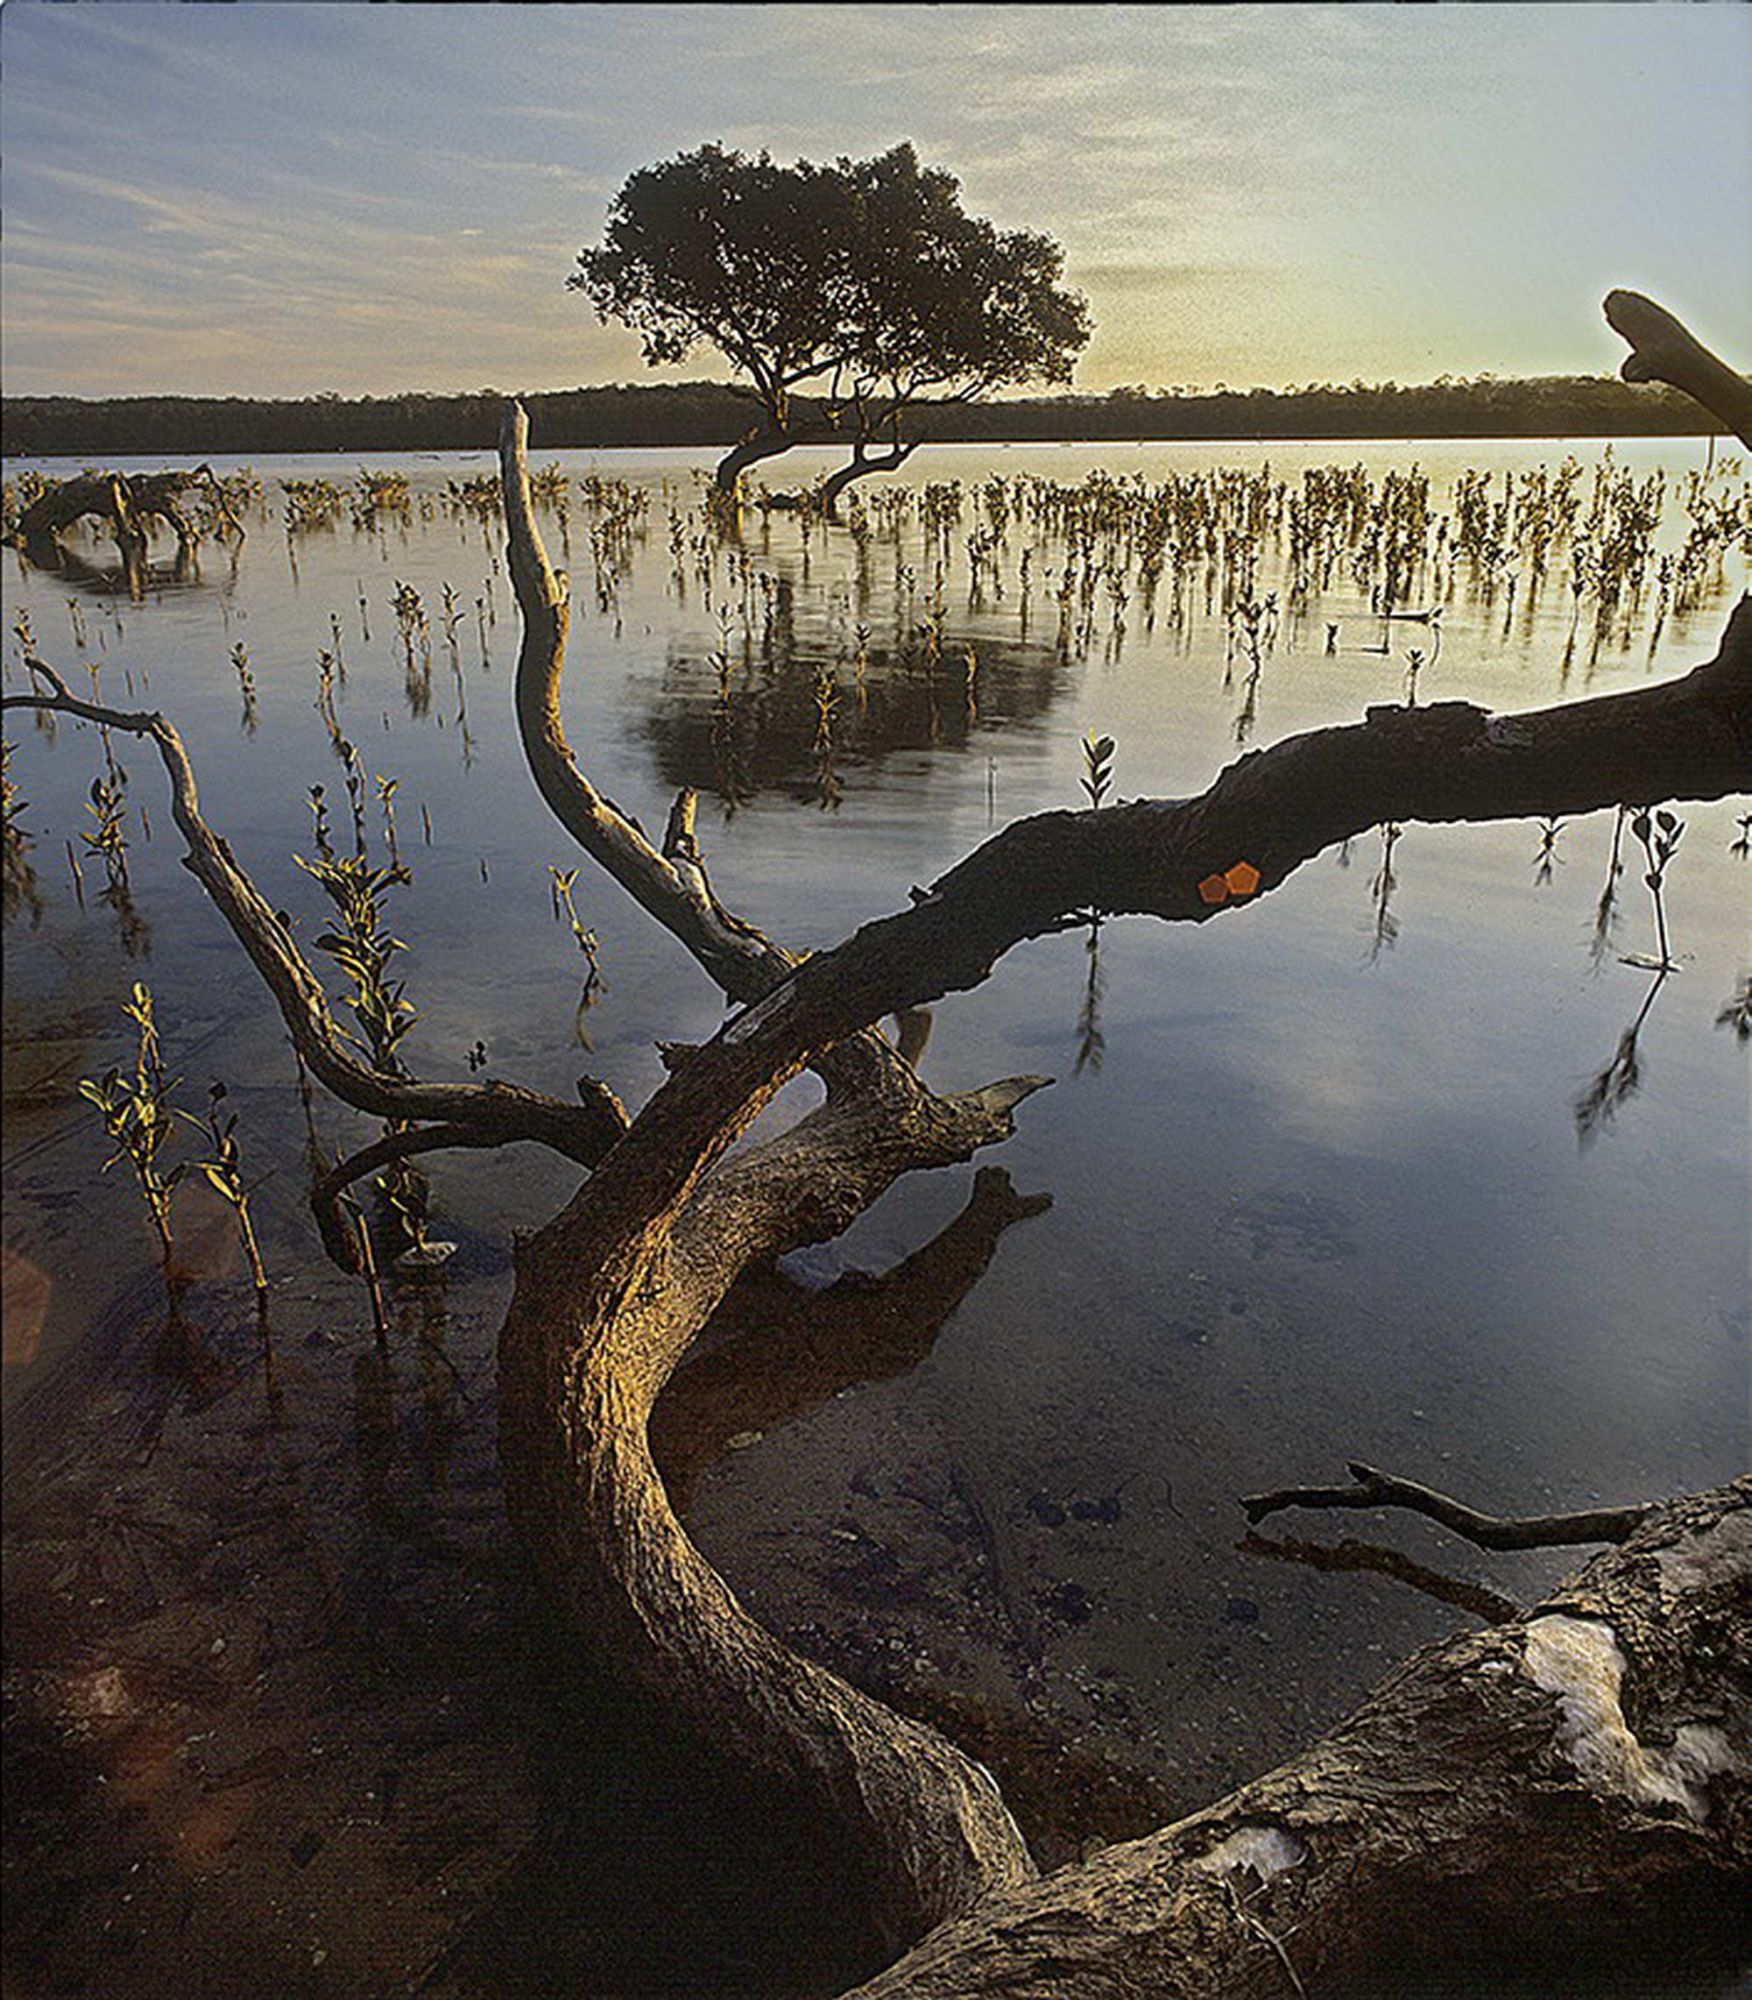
[[867, 275], [709, 414]]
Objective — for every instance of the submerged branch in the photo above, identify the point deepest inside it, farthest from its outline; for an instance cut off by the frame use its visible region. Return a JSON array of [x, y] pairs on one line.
[[1488, 1531]]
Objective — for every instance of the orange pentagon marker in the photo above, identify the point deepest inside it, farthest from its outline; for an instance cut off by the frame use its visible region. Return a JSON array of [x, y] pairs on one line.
[[1214, 889], [1242, 879]]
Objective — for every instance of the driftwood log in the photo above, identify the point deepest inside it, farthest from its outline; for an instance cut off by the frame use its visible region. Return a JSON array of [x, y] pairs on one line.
[[128, 504], [1598, 1746]]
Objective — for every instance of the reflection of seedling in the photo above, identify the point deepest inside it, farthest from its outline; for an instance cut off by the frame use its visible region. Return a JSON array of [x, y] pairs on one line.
[[246, 681], [1606, 909], [1659, 834], [1741, 846], [1414, 661], [1736, 1011], [223, 1169], [1548, 859], [386, 791], [1622, 1077], [1091, 1042], [1097, 766], [137, 1115], [1381, 890]]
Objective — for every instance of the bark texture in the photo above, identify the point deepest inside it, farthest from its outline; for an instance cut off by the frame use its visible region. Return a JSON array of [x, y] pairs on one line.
[[747, 451], [603, 1311]]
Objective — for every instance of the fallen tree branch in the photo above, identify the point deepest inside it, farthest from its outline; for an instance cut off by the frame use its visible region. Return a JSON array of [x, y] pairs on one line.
[[610, 1293], [584, 1353], [1521, 1782], [670, 884], [493, 1113], [1664, 349], [1370, 1488]]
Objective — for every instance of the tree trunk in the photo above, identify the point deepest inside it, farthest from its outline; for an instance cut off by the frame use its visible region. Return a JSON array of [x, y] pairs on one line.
[[747, 451], [1525, 1782], [861, 466], [107, 495]]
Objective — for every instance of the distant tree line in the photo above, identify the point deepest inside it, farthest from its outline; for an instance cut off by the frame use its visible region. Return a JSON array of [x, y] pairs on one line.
[[708, 415]]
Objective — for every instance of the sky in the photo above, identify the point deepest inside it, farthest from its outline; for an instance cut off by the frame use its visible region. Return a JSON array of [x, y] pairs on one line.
[[291, 197]]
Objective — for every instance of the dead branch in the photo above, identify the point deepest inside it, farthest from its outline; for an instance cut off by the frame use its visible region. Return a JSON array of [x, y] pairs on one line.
[[1664, 349], [1352, 1556], [612, 1291], [670, 884], [1382, 1489], [583, 1355]]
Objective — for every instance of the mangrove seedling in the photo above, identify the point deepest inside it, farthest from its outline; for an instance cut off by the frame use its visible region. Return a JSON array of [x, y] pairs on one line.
[[1097, 766], [140, 1121], [560, 882]]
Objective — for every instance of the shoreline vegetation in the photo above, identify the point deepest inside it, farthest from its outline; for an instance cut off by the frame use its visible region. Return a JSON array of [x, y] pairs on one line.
[[711, 415]]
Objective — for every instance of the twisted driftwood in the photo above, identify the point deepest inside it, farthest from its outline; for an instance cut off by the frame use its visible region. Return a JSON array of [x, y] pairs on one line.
[[1598, 1746], [128, 503]]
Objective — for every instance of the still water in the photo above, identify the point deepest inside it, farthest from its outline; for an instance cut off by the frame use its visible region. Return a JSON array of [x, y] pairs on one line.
[[1321, 1181]]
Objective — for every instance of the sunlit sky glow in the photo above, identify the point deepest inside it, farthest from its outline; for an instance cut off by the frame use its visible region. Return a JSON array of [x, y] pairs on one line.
[[282, 199]]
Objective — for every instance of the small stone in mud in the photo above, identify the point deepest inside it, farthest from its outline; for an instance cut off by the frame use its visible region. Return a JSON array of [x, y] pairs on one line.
[[1046, 1511], [1104, 1510], [306, 1848], [1241, 1611], [1072, 1603]]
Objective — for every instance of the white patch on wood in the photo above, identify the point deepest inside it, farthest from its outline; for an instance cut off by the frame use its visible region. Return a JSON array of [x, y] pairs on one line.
[[1578, 1660], [1266, 1850], [1719, 1555], [761, 1012]]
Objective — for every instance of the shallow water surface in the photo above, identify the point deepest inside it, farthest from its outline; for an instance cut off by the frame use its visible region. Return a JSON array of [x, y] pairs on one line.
[[1333, 1177]]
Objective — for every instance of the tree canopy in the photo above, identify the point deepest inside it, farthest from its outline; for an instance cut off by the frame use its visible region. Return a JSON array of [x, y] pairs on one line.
[[868, 276]]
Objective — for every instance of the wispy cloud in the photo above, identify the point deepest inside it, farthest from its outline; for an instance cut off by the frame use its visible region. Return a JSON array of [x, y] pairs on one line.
[[251, 197]]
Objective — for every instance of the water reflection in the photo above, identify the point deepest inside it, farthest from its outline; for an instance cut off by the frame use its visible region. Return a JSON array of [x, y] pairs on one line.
[[1477, 1598], [777, 1350], [1621, 1079], [757, 717]]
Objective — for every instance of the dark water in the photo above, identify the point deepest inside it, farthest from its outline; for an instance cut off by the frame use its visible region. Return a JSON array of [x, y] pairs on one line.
[[1318, 1191]]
